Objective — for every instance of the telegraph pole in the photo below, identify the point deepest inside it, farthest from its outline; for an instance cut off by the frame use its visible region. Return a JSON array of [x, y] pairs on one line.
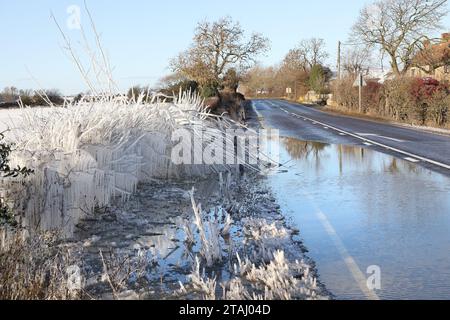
[[361, 83], [339, 60]]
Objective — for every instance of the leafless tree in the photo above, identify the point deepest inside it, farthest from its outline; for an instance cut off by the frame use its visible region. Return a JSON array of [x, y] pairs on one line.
[[397, 27], [217, 47], [357, 60], [10, 94], [312, 52], [294, 72], [295, 60]]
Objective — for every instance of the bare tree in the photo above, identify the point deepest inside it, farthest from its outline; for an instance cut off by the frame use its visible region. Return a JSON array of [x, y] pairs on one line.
[[357, 60], [294, 72], [262, 81], [312, 52], [295, 60], [217, 47], [398, 26], [10, 94]]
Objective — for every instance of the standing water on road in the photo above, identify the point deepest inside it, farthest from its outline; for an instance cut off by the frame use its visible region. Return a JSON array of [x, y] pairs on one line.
[[359, 210]]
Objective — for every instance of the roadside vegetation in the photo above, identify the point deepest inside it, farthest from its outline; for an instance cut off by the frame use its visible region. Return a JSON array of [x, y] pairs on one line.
[[303, 69], [417, 101]]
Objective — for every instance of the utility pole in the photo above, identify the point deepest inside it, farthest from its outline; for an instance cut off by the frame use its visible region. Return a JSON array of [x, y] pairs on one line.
[[339, 60], [360, 80]]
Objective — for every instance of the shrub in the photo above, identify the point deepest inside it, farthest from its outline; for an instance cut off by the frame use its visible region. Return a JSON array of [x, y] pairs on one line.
[[318, 79], [345, 94], [26, 96], [42, 98], [426, 92], [183, 85], [6, 216], [416, 100], [210, 90], [371, 97], [397, 98], [438, 107]]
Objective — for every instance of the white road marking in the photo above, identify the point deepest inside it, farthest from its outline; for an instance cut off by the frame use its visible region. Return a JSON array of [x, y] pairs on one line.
[[367, 144], [407, 154], [350, 262], [326, 128], [411, 160], [379, 136]]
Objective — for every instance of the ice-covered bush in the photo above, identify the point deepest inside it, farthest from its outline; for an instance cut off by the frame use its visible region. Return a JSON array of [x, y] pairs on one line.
[[91, 152]]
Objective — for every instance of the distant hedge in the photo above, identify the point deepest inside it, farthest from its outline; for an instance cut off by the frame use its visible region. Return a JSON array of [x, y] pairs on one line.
[[419, 101]]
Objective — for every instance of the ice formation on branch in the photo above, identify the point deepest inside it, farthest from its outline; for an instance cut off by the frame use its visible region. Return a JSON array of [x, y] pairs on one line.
[[91, 152]]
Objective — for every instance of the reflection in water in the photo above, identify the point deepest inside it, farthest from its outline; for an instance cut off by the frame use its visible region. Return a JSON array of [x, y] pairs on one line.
[[388, 212], [314, 152], [303, 149]]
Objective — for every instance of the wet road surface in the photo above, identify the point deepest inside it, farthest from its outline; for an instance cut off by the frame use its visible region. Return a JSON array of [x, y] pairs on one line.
[[305, 123], [362, 209], [359, 211]]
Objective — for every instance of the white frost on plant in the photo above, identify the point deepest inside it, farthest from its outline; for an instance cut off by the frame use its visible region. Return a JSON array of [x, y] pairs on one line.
[[260, 229], [255, 279], [89, 153], [209, 233], [189, 234], [201, 283], [227, 226], [264, 238]]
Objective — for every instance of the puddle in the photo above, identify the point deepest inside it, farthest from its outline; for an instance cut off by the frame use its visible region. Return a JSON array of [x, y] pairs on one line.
[[385, 212]]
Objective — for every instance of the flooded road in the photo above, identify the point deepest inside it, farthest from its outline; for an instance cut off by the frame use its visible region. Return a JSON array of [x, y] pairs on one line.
[[358, 209]]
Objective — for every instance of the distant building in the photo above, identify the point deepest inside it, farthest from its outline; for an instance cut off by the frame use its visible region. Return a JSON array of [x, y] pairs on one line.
[[378, 75], [433, 60]]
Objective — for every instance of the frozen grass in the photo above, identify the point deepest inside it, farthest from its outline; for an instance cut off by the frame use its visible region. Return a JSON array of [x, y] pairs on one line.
[[209, 233], [89, 153], [264, 272], [35, 269]]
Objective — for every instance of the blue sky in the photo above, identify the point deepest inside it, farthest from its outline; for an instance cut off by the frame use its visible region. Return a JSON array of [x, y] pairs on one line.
[[141, 36]]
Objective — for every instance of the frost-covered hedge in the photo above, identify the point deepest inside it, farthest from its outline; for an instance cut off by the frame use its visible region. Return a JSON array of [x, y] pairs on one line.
[[89, 153]]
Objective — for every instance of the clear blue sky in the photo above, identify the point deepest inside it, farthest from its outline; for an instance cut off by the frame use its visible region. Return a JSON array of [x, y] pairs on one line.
[[141, 36]]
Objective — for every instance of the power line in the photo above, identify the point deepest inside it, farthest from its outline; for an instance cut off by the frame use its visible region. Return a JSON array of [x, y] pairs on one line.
[[353, 43]]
